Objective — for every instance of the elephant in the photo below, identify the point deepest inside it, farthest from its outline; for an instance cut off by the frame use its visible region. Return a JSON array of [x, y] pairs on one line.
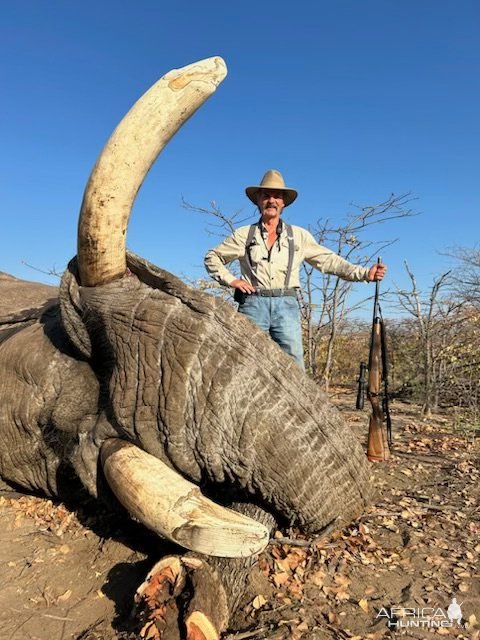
[[163, 394]]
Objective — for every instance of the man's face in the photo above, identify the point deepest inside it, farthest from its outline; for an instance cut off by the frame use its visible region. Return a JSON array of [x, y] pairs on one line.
[[270, 202]]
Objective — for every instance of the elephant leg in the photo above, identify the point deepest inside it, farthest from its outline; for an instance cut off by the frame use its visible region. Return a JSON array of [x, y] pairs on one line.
[[182, 597], [194, 597]]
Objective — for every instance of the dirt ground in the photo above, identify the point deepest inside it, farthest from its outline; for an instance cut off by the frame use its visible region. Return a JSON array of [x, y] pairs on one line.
[[70, 572]]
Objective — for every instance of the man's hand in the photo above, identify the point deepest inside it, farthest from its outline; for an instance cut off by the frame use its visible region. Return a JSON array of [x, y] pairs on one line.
[[243, 286], [377, 272]]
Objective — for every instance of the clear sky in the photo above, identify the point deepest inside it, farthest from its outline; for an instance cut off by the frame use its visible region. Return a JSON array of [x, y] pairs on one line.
[[351, 99]]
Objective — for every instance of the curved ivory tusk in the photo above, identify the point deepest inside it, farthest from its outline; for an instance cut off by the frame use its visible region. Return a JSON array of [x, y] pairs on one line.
[[126, 160], [175, 508]]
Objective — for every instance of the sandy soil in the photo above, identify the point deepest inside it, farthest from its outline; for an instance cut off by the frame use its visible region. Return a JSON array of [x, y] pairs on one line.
[[70, 572]]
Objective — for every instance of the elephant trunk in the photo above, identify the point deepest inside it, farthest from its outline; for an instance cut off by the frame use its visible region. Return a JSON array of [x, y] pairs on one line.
[[294, 451], [311, 468]]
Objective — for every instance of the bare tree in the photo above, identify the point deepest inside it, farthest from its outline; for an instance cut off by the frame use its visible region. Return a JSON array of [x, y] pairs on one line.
[[466, 278], [431, 314], [220, 225], [54, 272], [326, 298]]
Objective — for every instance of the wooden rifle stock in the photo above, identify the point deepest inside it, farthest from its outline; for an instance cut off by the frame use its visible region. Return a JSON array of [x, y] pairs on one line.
[[377, 448]]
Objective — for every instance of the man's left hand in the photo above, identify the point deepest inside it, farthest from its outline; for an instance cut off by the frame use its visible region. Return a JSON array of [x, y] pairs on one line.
[[377, 272]]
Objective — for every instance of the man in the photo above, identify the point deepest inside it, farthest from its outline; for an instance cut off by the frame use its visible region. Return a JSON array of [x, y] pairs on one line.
[[270, 254]]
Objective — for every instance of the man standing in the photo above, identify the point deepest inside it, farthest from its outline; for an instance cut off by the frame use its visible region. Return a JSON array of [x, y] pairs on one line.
[[271, 253]]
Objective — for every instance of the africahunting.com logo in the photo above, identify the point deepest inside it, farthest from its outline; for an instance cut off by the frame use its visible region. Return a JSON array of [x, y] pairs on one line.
[[423, 617]]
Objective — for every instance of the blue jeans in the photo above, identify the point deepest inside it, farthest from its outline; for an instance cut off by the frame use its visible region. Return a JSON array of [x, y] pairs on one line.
[[280, 317]]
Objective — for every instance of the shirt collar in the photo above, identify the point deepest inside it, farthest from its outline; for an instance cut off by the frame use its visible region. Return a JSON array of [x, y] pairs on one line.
[[263, 231]]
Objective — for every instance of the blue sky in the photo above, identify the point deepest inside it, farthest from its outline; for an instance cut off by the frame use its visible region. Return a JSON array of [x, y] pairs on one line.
[[352, 100]]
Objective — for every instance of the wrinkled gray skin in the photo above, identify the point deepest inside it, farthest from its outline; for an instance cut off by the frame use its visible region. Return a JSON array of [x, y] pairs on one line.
[[182, 375]]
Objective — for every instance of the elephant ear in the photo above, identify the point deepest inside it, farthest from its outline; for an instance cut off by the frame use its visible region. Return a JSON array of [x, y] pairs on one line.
[[71, 310], [71, 304], [157, 278], [23, 302]]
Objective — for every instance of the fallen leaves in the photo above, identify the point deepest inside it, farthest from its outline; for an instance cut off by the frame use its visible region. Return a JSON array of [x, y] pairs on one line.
[[417, 546], [47, 515]]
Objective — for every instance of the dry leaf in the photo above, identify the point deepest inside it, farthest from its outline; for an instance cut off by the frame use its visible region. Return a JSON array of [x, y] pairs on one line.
[[342, 580], [259, 601], [282, 565], [276, 552], [295, 559], [280, 578], [363, 604], [342, 594], [295, 589], [299, 572], [472, 621], [318, 578]]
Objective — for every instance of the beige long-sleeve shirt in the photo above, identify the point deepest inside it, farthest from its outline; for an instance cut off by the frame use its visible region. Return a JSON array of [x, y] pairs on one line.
[[270, 267]]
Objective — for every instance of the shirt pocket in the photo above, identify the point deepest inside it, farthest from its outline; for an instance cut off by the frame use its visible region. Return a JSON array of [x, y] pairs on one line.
[[257, 253]]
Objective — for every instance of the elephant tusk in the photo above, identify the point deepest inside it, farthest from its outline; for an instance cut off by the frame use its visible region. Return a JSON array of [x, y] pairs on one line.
[[174, 508], [126, 160]]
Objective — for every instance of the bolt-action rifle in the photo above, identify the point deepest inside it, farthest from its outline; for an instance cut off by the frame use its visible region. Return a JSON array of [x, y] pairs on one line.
[[362, 385], [380, 428]]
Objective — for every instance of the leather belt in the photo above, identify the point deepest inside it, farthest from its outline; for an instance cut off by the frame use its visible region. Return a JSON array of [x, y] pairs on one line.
[[275, 293]]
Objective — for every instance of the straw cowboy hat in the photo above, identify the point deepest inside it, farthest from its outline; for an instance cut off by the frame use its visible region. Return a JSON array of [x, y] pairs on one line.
[[273, 179]]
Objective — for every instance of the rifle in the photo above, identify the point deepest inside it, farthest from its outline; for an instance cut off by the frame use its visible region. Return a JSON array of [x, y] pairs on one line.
[[378, 439], [362, 385]]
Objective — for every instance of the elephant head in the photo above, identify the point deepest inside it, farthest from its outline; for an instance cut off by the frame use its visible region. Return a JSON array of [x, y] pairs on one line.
[[161, 382]]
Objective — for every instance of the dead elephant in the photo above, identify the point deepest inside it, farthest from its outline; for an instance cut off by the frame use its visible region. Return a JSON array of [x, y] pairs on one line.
[[127, 374]]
